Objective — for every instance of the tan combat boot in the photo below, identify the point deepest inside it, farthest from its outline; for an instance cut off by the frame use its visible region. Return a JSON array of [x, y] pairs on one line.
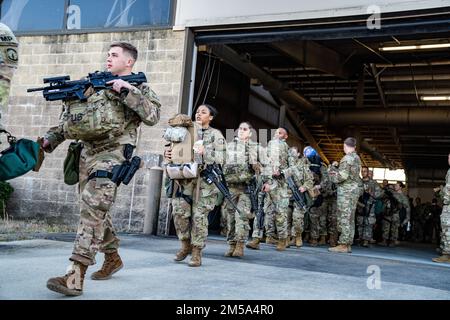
[[298, 241], [239, 251], [292, 242], [281, 246], [322, 240], [383, 243], [341, 248], [313, 242], [443, 258], [333, 240], [185, 250], [271, 240], [365, 243], [70, 284], [254, 244], [288, 242], [111, 265], [231, 249], [196, 259]]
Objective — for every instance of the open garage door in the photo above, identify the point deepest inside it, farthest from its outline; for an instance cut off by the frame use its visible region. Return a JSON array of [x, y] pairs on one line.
[[330, 78]]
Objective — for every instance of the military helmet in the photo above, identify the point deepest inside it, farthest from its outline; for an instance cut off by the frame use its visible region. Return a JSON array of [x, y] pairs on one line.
[[309, 152], [8, 46]]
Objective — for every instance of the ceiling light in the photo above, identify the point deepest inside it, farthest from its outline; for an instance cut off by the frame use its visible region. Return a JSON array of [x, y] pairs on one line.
[[416, 47], [435, 98]]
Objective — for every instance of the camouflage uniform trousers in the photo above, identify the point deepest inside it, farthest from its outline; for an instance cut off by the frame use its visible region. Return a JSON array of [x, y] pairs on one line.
[[328, 221], [315, 216], [223, 222], [298, 217], [366, 224], [95, 230], [238, 223], [445, 231], [289, 217], [391, 224], [347, 200], [280, 197], [269, 224], [191, 221]]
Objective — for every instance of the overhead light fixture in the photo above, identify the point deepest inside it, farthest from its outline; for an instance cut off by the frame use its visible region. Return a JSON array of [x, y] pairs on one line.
[[416, 47], [435, 98]]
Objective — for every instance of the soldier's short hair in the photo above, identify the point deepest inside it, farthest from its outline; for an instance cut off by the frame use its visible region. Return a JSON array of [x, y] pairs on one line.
[[247, 123], [285, 129], [351, 142], [213, 111], [127, 47]]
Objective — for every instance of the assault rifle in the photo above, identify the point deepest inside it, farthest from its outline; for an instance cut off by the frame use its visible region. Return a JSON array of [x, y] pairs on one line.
[[61, 88], [298, 196], [213, 174]]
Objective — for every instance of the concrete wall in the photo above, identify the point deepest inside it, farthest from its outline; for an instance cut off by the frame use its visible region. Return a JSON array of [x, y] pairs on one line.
[[44, 194]]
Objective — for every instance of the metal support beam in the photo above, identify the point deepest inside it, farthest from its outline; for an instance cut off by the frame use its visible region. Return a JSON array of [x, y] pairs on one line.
[[270, 83], [399, 117], [312, 54]]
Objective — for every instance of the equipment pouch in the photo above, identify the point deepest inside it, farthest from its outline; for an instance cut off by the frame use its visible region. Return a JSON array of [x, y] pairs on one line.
[[72, 163]]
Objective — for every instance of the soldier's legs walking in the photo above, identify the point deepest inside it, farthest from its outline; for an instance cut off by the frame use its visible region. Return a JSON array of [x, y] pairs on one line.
[[298, 217], [314, 216], [346, 204], [97, 197], [445, 227], [395, 226], [281, 203], [332, 221]]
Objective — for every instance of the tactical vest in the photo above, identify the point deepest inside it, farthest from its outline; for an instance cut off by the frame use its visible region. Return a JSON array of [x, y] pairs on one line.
[[103, 116], [237, 169]]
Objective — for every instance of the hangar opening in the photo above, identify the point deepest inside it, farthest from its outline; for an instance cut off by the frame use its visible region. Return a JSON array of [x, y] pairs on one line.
[[326, 79]]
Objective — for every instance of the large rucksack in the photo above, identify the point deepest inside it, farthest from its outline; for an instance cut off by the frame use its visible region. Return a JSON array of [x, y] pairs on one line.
[[181, 136]]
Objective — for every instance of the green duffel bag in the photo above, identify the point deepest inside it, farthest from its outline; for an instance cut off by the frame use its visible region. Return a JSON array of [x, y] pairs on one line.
[[21, 157], [72, 163]]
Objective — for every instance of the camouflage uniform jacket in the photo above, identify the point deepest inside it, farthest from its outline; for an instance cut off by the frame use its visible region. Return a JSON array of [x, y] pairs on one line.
[[277, 153], [301, 174], [346, 176], [240, 158], [444, 192], [402, 201], [108, 109], [327, 187], [214, 144]]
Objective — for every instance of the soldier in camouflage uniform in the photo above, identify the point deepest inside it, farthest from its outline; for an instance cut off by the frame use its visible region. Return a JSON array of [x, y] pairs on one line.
[[268, 207], [349, 187], [275, 185], [9, 59], [240, 167], [391, 221], [444, 193], [328, 222], [366, 207], [303, 178], [118, 117], [191, 220]]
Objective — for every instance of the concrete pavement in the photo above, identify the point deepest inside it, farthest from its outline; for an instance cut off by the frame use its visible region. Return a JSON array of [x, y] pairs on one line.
[[150, 273]]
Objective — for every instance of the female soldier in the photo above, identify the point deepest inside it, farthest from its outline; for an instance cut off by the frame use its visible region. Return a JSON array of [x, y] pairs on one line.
[[241, 165], [195, 198]]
